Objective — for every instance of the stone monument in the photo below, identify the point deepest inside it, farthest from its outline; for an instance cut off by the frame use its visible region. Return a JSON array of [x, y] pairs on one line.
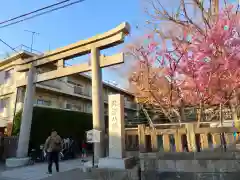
[[117, 158]]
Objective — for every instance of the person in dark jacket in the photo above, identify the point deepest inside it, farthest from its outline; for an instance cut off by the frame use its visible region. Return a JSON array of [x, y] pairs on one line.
[[53, 147], [1, 145]]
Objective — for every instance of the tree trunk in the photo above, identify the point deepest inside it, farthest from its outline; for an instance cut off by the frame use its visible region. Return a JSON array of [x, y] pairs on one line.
[[199, 114], [235, 117], [221, 120], [182, 112], [177, 114]]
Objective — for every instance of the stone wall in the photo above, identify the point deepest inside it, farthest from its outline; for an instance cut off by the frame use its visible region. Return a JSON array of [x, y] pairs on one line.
[[132, 153], [109, 174], [201, 165]]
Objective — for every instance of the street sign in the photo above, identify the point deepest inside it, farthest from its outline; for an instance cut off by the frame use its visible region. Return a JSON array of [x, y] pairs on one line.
[[93, 136]]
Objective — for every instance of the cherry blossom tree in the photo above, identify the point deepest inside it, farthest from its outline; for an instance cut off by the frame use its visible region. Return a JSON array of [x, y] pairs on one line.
[[213, 59], [201, 67], [152, 78]]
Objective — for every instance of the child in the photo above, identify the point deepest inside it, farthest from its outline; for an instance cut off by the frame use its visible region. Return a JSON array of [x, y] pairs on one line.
[[84, 150]]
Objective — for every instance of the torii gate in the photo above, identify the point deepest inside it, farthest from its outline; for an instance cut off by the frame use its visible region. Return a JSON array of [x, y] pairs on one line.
[[92, 45]]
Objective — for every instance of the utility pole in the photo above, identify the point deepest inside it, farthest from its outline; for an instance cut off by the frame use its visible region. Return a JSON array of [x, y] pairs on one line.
[[33, 33]]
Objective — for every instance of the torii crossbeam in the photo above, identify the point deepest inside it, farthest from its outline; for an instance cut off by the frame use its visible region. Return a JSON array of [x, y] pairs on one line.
[[92, 45], [58, 56]]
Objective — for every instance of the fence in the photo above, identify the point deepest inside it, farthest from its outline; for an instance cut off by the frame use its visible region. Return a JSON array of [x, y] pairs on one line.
[[146, 139], [189, 138]]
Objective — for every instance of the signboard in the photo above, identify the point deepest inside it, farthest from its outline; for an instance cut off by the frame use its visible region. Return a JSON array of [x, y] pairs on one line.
[[93, 136]]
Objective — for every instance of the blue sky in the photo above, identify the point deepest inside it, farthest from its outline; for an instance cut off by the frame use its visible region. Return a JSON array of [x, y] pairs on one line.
[[68, 25], [71, 24]]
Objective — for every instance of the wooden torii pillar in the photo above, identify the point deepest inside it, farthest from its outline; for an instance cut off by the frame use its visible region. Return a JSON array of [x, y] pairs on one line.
[[92, 45]]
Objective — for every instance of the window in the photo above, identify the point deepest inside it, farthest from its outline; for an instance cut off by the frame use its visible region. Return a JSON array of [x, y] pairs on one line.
[[3, 104], [78, 90], [44, 102], [74, 83], [8, 74], [88, 92], [75, 107], [89, 108], [71, 82], [110, 92], [79, 107], [20, 95], [128, 99], [68, 106]]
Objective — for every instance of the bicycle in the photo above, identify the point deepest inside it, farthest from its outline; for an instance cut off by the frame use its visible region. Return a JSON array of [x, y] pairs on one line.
[[32, 156]]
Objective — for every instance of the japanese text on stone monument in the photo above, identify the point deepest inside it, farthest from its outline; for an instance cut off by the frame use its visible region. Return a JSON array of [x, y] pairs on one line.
[[114, 109]]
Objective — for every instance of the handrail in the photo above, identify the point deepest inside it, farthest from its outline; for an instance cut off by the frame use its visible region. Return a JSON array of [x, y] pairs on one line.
[[148, 117]]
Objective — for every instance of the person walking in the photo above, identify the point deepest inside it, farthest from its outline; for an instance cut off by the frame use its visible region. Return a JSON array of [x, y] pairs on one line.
[[53, 147], [84, 149]]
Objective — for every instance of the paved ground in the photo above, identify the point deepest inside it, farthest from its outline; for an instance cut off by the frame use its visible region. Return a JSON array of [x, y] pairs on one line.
[[71, 170], [75, 174], [38, 171]]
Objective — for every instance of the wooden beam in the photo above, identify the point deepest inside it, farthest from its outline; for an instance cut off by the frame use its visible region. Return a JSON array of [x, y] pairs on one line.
[[131, 133], [105, 61], [142, 138], [191, 137], [216, 140], [229, 138], [70, 53], [154, 141], [102, 41], [204, 141], [178, 141], [60, 63], [215, 130], [171, 131], [166, 143]]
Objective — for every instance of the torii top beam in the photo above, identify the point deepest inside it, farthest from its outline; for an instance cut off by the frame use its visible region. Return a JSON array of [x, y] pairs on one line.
[[108, 39], [105, 40]]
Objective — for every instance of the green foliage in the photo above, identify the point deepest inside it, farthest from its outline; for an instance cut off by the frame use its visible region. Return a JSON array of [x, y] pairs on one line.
[[17, 123], [66, 123]]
